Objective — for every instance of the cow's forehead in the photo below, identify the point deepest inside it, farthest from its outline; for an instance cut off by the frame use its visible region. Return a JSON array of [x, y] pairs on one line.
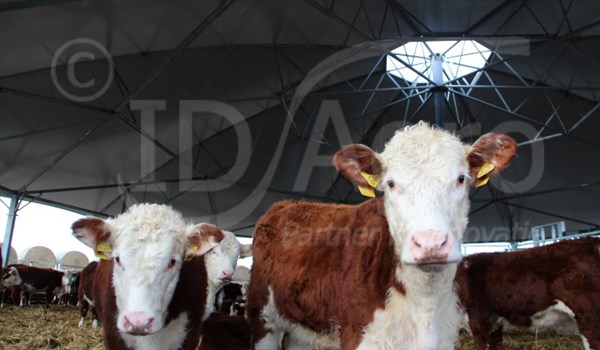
[[149, 225], [229, 244], [421, 150]]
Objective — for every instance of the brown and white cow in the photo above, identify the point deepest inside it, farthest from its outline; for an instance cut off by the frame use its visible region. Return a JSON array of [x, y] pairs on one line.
[[221, 263], [32, 279], [378, 275], [532, 287], [150, 293], [84, 294], [70, 285], [12, 294]]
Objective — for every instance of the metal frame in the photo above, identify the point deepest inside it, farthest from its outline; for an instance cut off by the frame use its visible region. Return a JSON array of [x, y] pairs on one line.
[[411, 99]]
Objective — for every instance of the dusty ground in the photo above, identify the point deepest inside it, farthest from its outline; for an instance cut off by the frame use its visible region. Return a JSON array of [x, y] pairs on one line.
[[34, 327]]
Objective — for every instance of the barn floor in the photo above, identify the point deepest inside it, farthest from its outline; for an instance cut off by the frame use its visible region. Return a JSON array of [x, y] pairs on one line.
[[33, 328]]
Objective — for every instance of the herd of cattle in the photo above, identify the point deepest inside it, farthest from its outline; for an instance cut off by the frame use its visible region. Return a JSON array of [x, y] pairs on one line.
[[384, 274]]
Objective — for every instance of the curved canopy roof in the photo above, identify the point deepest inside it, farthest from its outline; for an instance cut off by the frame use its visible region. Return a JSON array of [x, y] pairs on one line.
[[223, 107]]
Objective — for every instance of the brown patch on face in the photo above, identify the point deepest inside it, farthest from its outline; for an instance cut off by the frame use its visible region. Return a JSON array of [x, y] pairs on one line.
[[497, 149], [201, 242], [208, 230], [353, 159], [330, 266]]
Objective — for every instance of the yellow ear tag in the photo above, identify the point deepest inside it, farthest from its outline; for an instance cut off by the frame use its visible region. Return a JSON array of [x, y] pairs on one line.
[[484, 170], [190, 252], [481, 182], [103, 251], [371, 179], [366, 191]]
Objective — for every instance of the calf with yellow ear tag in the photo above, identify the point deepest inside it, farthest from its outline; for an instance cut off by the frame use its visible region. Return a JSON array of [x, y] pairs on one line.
[[149, 287]]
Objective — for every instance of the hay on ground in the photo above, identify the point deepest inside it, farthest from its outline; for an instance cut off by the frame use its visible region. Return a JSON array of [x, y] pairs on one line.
[[35, 328]]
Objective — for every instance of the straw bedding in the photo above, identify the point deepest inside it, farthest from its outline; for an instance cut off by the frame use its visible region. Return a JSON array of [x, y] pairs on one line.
[[34, 327]]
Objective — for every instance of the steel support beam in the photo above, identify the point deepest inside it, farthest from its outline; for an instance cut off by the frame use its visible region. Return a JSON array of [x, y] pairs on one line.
[[520, 116], [206, 22], [543, 212], [26, 4], [10, 227], [26, 94], [62, 155], [438, 94], [488, 16]]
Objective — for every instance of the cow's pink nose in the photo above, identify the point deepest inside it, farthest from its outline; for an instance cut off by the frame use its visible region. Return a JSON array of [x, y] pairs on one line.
[[138, 323], [226, 275], [430, 247]]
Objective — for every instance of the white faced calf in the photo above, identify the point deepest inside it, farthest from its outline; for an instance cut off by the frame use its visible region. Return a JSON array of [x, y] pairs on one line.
[[221, 263], [148, 244]]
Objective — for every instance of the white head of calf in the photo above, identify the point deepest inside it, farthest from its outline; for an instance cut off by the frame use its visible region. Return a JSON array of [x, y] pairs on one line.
[[11, 277], [424, 173], [221, 262], [147, 244]]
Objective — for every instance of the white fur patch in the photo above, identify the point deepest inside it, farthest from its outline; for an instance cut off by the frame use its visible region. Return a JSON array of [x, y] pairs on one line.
[[558, 317], [297, 335], [426, 318], [88, 300], [147, 238], [424, 163], [171, 337]]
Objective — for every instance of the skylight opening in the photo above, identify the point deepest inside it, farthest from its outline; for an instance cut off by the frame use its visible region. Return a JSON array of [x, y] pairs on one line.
[[458, 59]]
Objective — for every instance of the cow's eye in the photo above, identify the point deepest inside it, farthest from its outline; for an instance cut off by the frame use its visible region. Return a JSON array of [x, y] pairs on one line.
[[461, 179], [391, 183], [172, 263], [118, 260]]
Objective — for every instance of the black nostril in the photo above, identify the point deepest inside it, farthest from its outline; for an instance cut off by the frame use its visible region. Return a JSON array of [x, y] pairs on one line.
[[416, 243], [149, 324], [444, 242]]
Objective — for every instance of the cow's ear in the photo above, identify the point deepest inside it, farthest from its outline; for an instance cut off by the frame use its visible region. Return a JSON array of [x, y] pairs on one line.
[[354, 161], [95, 233], [245, 250], [202, 238], [490, 154]]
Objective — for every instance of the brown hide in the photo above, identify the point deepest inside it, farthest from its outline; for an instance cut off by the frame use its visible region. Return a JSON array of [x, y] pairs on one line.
[[189, 296], [86, 282], [224, 332], [12, 293], [40, 279], [516, 285], [331, 274]]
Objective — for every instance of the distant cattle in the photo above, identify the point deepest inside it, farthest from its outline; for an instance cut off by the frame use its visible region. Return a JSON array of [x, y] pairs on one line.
[[378, 275], [150, 292], [221, 265], [11, 294], [231, 300], [70, 285], [84, 294], [536, 287], [224, 332], [32, 279]]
